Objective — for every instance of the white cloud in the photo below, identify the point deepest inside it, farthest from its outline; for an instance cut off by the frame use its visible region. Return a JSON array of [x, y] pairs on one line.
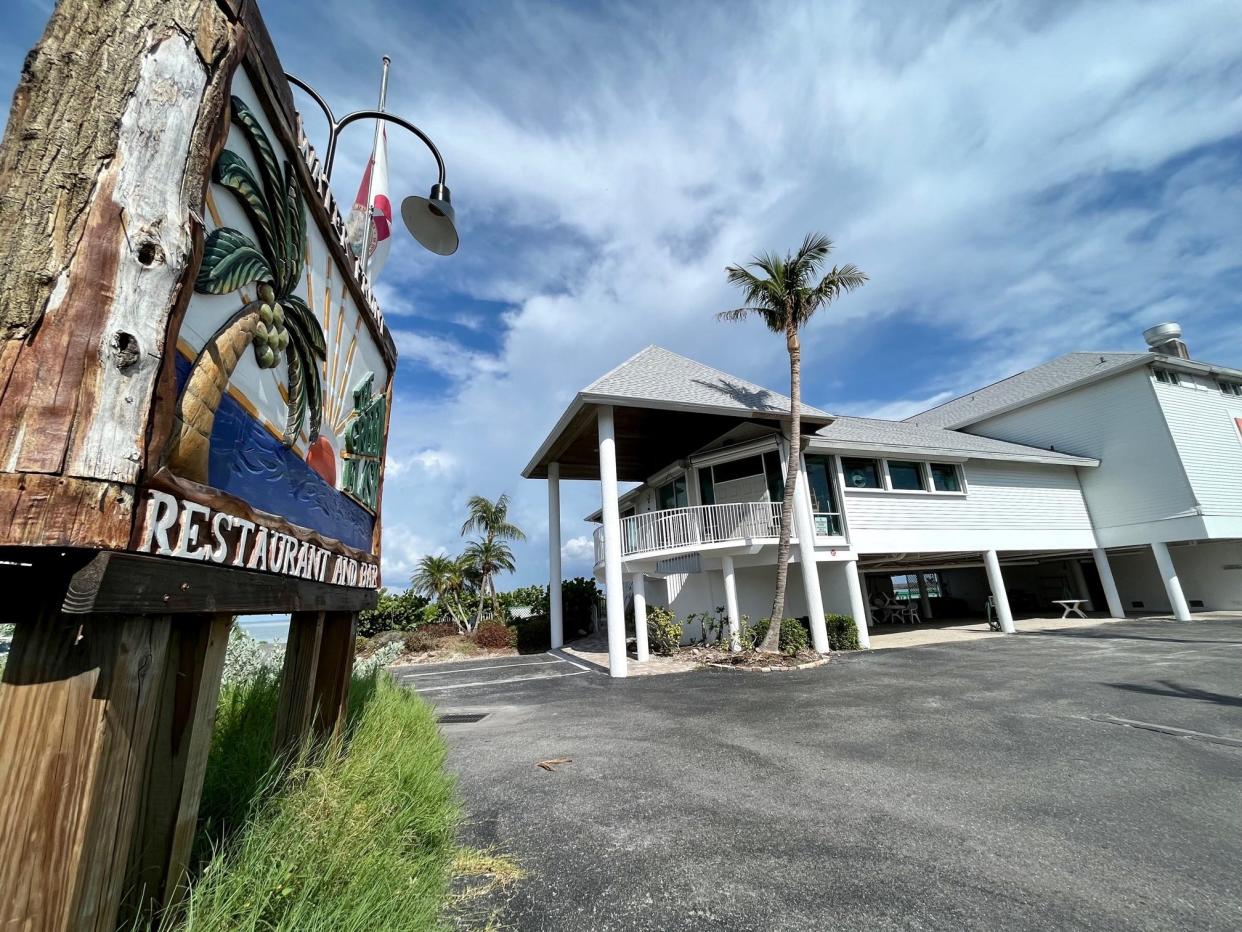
[[578, 550], [987, 165]]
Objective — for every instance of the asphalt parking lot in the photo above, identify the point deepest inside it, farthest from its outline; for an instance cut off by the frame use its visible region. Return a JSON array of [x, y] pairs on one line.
[[1089, 778]]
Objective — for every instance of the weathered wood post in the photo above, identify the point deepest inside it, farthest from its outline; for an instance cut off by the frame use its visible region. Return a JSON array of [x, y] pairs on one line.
[[185, 340]]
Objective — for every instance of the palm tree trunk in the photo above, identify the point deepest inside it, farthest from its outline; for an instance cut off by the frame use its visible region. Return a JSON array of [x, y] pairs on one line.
[[772, 640], [190, 443]]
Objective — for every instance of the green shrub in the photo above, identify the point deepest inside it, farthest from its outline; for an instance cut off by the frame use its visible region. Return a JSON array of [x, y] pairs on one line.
[[396, 611], [795, 634], [663, 631], [357, 840], [532, 636], [842, 632], [493, 635]]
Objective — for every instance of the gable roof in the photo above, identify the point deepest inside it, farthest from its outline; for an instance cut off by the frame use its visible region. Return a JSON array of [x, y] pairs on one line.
[[666, 378], [871, 435], [665, 407], [1051, 378]]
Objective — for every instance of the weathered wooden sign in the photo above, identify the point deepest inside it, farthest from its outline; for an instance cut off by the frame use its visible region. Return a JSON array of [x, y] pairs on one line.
[[195, 385], [242, 367]]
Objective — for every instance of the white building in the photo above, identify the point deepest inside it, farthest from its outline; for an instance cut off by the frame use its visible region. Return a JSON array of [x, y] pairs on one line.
[[1111, 477]]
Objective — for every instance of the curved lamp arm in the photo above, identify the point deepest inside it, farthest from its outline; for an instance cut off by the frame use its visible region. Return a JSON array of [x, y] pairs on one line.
[[381, 115], [335, 126]]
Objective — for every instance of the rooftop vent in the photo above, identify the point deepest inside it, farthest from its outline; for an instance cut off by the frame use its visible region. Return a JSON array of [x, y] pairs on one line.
[[1166, 339]]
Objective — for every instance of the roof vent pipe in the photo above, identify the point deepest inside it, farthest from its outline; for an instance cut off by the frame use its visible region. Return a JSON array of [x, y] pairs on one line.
[[1166, 339]]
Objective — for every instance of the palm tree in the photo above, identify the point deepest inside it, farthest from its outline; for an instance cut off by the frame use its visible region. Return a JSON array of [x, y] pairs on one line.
[[783, 293], [443, 579], [491, 519], [488, 557], [276, 323]]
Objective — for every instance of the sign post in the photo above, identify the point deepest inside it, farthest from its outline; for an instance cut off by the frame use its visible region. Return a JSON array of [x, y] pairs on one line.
[[195, 382]]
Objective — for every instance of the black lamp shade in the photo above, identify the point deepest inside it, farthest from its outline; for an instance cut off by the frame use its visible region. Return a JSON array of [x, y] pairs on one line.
[[430, 220]]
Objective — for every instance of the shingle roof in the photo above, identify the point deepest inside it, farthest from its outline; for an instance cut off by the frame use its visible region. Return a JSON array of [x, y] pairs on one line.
[[864, 433], [658, 375], [1052, 377]]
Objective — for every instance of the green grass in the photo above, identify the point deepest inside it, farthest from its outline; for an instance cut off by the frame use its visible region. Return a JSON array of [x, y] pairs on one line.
[[355, 841]]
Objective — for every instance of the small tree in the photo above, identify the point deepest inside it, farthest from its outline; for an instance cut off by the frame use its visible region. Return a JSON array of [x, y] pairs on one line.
[[443, 578], [491, 554], [784, 294]]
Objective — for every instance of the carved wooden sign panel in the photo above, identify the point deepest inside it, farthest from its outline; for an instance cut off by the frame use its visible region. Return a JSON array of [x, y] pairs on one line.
[[199, 371], [274, 457]]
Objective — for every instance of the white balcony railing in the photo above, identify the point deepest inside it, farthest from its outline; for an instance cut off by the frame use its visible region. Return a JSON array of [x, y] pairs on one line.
[[687, 528]]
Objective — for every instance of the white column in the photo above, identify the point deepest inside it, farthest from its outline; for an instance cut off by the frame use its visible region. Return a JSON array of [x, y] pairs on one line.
[[555, 619], [924, 601], [804, 525], [858, 605], [735, 617], [639, 584], [1172, 585], [613, 588], [999, 597], [1080, 584], [862, 580], [1115, 607]]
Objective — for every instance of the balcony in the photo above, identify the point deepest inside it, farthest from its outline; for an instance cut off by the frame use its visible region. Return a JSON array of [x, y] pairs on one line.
[[698, 526]]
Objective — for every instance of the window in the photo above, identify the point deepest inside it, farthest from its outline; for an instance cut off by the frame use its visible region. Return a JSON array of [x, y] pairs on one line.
[[707, 488], [1167, 376], [819, 470], [861, 474], [776, 476], [945, 478], [738, 469], [906, 476], [906, 586], [673, 494], [1231, 388]]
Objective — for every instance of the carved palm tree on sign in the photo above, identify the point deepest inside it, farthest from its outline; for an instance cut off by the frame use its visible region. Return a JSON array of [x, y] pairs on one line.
[[277, 323]]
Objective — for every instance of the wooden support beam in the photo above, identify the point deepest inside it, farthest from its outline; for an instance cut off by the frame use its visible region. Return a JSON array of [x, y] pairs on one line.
[[137, 582], [295, 706], [336, 664], [177, 761], [77, 701]]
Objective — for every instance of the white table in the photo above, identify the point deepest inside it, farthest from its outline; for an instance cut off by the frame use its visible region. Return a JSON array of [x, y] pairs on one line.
[[1071, 607]]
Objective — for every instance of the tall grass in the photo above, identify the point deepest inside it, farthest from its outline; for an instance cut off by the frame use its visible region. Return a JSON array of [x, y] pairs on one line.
[[358, 836]]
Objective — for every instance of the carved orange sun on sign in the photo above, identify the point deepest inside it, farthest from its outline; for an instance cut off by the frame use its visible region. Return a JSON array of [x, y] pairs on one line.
[[322, 458]]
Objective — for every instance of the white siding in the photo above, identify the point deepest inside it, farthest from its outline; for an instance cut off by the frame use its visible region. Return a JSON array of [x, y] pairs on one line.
[[1008, 506], [1210, 572], [1139, 482], [1202, 423]]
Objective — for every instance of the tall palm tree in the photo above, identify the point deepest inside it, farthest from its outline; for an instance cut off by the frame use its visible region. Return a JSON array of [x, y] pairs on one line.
[[443, 579], [783, 293], [488, 558], [276, 324], [491, 520]]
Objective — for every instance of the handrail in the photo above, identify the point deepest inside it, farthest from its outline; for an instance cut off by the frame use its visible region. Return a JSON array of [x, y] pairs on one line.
[[696, 525]]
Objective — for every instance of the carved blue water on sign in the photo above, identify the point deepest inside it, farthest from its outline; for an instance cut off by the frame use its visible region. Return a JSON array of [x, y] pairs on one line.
[[249, 463]]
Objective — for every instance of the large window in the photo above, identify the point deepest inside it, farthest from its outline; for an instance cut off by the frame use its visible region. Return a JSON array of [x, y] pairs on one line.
[[861, 474], [673, 494], [945, 477], [906, 586], [906, 476], [742, 479], [1230, 388], [819, 470]]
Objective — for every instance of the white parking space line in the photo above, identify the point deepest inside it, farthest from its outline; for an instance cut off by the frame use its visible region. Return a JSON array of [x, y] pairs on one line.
[[513, 679], [490, 666]]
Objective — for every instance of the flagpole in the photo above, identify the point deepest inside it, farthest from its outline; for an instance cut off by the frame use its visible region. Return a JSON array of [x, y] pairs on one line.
[[368, 216]]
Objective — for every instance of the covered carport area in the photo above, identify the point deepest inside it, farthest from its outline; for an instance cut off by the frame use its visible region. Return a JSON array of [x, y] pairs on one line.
[[967, 589]]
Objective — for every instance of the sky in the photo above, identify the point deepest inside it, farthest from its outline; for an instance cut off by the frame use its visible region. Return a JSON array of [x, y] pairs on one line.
[[1018, 179]]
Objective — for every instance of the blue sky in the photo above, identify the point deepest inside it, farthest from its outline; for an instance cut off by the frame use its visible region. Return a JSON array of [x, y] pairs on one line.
[[1018, 179]]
